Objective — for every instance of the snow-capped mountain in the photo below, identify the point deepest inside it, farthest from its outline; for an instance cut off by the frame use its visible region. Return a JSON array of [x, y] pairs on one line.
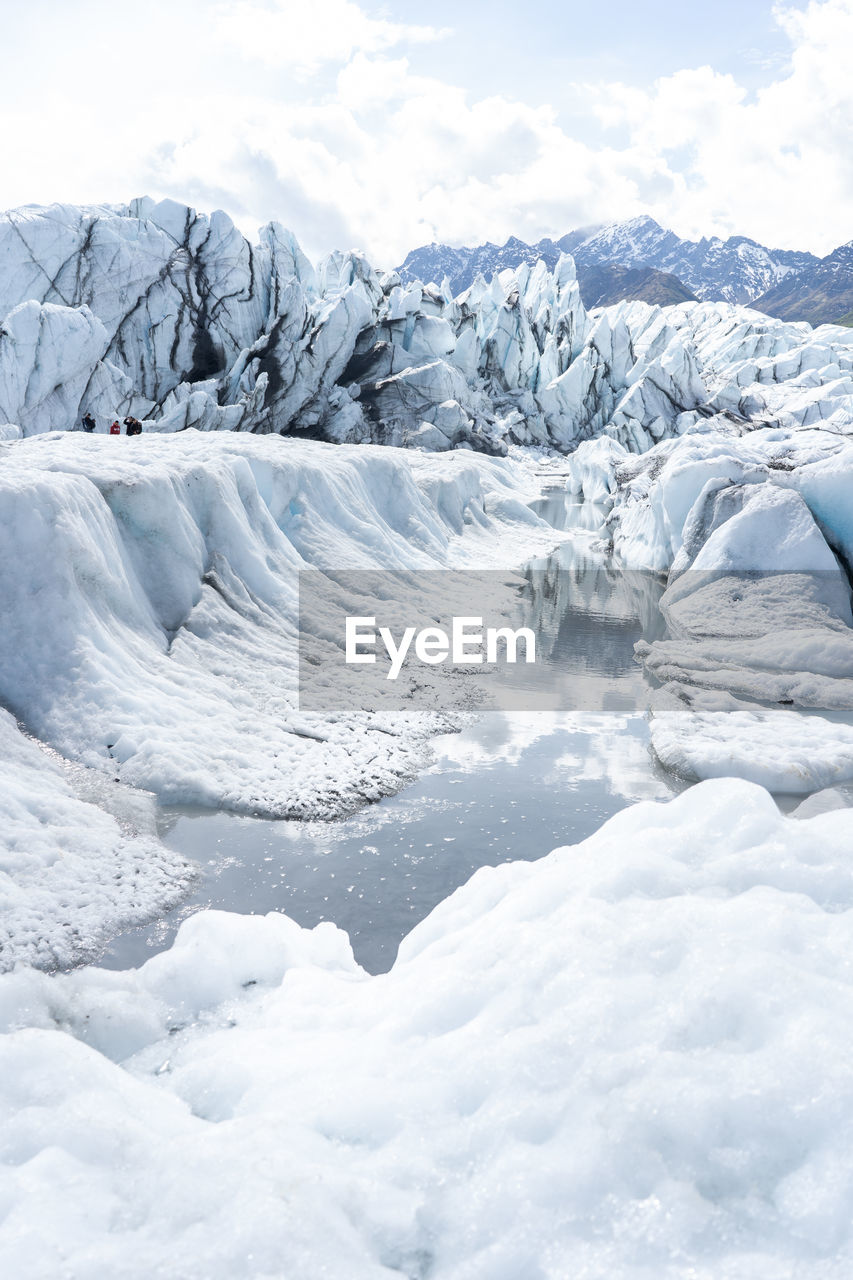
[[437, 262], [822, 293], [601, 283], [733, 270]]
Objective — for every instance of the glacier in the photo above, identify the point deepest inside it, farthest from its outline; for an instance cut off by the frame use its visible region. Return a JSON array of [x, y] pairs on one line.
[[753, 530], [153, 310], [149, 635], [151, 596], [627, 1059], [150, 584]]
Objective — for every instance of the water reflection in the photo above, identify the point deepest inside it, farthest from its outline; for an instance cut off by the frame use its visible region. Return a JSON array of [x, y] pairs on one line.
[[512, 785], [558, 510], [587, 616]]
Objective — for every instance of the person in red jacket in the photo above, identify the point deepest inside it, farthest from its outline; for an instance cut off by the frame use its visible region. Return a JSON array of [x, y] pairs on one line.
[[115, 429]]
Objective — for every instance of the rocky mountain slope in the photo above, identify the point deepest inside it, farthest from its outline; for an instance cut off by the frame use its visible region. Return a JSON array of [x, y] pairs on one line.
[[822, 293], [604, 286]]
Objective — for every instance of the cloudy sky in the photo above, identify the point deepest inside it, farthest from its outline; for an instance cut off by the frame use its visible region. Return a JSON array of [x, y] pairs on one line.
[[386, 127]]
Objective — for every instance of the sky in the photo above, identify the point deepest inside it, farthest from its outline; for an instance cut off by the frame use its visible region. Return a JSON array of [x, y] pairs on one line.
[[386, 127]]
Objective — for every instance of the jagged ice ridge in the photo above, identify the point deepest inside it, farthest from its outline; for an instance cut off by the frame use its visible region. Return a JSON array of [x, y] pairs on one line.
[[156, 311]]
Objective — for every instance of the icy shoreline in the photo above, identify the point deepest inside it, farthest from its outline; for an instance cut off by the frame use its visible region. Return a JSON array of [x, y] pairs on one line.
[[149, 633]]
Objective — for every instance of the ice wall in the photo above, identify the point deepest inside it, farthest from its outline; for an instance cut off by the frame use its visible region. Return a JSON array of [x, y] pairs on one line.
[[154, 310], [150, 602]]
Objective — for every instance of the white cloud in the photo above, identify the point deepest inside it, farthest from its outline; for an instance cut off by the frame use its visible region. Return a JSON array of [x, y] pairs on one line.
[[365, 152], [777, 166], [303, 36]]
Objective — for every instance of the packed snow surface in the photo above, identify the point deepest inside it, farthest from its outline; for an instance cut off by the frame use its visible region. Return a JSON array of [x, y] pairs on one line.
[[630, 1058]]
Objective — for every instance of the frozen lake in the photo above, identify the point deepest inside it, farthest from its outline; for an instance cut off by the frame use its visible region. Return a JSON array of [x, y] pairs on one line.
[[510, 786]]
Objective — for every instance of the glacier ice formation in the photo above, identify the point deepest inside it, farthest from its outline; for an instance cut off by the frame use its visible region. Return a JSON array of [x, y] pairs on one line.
[[629, 1058], [753, 529], [151, 586], [149, 634], [154, 310]]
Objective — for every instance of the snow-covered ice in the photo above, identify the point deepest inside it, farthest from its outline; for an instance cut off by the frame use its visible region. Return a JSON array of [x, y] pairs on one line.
[[628, 1059], [699, 734], [152, 587], [153, 639], [149, 633], [762, 607], [754, 531], [79, 857]]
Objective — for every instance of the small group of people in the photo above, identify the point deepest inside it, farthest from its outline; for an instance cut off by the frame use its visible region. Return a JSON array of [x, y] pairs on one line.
[[133, 427]]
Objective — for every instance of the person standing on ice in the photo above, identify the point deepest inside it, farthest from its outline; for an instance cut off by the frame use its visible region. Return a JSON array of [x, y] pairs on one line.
[[115, 429], [133, 426], [88, 422]]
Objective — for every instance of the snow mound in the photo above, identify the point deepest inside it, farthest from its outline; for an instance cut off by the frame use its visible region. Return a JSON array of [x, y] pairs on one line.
[[629, 1058]]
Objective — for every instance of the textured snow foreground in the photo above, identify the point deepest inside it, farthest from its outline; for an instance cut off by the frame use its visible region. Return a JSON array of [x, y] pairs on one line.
[[79, 857], [628, 1059]]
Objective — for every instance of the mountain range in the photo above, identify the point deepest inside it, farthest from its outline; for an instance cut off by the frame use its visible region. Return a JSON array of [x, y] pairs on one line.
[[640, 259]]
